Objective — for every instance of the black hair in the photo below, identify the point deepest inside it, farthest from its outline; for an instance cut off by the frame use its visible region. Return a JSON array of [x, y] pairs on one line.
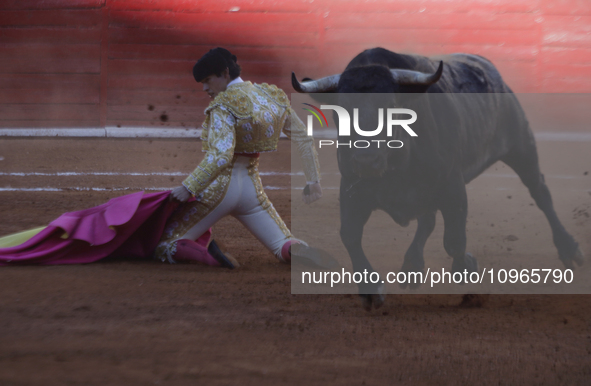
[[215, 62]]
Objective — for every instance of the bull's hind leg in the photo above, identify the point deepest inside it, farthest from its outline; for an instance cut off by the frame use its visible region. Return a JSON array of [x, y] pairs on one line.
[[524, 161], [453, 203], [413, 258]]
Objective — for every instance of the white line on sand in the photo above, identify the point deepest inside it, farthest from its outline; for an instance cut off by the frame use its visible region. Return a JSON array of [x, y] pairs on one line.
[[135, 189], [184, 132], [68, 174], [181, 174]]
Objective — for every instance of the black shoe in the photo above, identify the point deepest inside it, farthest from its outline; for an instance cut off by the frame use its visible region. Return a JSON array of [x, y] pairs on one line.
[[312, 257], [225, 260]]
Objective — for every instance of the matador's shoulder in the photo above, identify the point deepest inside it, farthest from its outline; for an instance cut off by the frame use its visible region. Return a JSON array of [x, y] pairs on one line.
[[239, 99], [235, 99], [275, 93]]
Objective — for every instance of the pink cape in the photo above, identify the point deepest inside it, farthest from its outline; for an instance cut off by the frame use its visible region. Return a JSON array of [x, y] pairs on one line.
[[126, 226]]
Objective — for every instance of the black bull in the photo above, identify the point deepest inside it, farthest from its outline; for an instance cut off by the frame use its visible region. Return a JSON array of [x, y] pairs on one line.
[[457, 140]]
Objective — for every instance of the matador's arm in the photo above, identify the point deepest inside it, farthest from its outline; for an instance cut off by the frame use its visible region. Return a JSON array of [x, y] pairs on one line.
[[295, 130], [219, 147]]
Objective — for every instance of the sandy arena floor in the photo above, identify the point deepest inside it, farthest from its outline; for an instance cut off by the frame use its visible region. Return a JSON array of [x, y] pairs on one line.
[[144, 322]]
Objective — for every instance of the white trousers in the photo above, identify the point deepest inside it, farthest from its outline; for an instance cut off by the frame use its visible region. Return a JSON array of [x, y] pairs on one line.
[[244, 199]]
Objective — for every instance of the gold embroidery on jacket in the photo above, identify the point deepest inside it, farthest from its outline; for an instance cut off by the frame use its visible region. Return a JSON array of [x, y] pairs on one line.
[[245, 118], [219, 142], [262, 111]]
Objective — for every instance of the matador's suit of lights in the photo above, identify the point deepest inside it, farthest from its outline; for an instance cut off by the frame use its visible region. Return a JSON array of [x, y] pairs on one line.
[[241, 122]]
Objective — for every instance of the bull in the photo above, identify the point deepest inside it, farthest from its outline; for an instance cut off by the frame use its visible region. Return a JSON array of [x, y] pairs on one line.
[[457, 141]]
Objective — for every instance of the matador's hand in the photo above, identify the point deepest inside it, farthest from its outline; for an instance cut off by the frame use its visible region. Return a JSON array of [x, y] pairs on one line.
[[180, 193], [311, 193]]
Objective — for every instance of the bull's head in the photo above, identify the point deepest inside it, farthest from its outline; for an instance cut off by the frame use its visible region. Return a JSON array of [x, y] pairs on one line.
[[392, 85], [398, 77]]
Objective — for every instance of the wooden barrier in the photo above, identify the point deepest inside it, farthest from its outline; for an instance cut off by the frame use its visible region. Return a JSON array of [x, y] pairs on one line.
[[115, 63]]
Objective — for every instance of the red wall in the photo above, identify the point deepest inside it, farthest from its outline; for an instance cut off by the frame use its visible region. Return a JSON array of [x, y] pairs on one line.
[[97, 63]]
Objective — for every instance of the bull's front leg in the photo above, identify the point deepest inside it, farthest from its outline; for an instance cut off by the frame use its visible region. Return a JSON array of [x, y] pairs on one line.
[[454, 208], [413, 258], [355, 211]]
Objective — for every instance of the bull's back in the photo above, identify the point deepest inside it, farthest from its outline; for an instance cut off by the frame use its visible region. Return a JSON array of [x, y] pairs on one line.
[[467, 73], [491, 122], [488, 124]]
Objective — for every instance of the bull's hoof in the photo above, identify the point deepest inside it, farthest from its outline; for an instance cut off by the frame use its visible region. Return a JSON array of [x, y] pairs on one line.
[[375, 301], [578, 257], [366, 302], [468, 263], [408, 267], [572, 255], [474, 300]]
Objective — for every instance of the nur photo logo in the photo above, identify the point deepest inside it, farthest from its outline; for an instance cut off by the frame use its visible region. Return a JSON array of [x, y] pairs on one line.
[[344, 125]]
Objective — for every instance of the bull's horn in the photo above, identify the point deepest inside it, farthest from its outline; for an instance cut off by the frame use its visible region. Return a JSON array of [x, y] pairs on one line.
[[409, 77], [326, 84]]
